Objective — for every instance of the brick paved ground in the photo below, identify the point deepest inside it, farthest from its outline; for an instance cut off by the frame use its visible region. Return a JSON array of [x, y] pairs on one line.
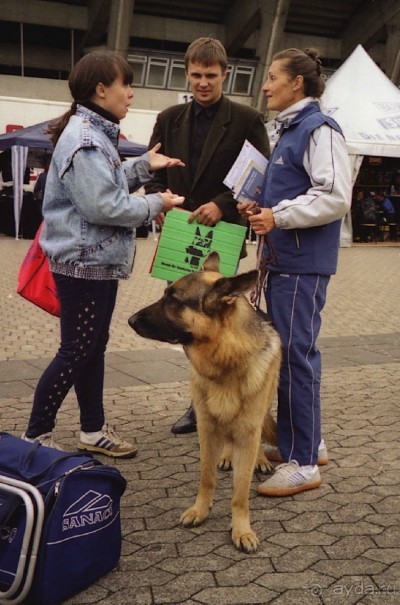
[[335, 545]]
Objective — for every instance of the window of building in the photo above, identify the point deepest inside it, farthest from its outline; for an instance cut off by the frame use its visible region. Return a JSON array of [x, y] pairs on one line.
[[138, 64], [228, 80], [157, 71], [177, 75], [242, 80]]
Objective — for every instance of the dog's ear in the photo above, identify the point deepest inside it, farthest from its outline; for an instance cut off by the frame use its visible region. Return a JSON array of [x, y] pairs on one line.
[[211, 263], [226, 289]]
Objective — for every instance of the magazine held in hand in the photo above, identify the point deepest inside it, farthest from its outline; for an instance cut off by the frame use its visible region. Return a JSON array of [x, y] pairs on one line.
[[246, 176]]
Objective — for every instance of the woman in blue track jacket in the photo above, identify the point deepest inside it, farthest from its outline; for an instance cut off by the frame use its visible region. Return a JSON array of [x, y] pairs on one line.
[[306, 193]]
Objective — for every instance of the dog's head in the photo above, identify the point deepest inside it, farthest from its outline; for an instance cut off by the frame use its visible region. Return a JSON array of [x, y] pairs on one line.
[[192, 304]]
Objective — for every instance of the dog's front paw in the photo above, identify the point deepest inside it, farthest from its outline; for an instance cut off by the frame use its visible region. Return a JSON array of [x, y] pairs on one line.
[[246, 542], [224, 464], [263, 465], [193, 517], [225, 461]]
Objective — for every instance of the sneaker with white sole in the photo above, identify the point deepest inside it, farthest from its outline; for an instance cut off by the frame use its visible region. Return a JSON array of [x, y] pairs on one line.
[[290, 478], [106, 442], [46, 439], [273, 454]]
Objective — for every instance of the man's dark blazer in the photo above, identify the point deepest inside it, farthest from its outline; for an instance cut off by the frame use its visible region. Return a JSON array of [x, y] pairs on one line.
[[232, 124]]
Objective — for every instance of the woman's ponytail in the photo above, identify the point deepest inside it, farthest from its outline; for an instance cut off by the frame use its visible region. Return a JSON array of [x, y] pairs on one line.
[[57, 126]]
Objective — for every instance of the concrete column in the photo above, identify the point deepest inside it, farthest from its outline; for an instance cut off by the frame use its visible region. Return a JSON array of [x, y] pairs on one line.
[[273, 20], [392, 54], [119, 26]]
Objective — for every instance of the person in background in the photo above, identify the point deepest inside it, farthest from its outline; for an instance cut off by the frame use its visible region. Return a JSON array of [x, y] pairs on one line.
[[395, 186], [357, 215], [307, 190], [89, 237], [369, 217], [369, 207], [388, 214], [385, 205], [38, 191], [207, 134], [6, 172]]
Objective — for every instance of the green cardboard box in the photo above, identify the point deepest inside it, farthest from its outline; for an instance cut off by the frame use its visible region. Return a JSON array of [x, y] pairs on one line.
[[183, 247]]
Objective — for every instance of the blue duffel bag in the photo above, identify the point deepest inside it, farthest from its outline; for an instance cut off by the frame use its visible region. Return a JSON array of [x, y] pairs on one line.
[[60, 526]]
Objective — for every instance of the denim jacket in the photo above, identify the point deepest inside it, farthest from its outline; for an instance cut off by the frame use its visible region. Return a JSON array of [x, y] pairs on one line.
[[89, 214]]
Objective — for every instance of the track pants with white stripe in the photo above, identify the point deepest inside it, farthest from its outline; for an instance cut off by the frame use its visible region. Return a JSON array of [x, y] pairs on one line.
[[294, 305]]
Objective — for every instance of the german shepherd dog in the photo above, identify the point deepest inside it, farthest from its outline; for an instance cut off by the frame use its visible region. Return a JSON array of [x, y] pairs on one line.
[[235, 359]]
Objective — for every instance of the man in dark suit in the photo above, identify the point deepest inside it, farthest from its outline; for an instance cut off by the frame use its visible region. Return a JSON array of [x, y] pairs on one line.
[[207, 134]]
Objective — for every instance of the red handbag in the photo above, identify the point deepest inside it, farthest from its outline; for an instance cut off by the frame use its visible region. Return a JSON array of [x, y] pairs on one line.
[[35, 280]]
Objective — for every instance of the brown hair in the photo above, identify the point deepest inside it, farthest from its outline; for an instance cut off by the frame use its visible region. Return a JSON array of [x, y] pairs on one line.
[[93, 68], [206, 51], [307, 64]]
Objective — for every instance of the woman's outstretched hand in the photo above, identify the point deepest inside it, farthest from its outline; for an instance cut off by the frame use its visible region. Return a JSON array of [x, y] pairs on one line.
[[159, 160], [170, 200]]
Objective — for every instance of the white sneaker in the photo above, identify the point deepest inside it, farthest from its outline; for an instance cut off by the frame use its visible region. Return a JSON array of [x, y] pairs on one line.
[[106, 442], [290, 478], [273, 454], [46, 439]]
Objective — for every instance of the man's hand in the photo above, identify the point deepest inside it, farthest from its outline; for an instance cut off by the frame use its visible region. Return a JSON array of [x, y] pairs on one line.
[[244, 207], [158, 160], [207, 214]]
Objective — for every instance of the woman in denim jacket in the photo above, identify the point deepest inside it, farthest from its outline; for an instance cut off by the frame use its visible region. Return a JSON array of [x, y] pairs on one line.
[[89, 237]]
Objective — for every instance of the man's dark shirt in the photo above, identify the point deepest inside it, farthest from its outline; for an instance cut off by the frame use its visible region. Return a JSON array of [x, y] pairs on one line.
[[202, 119]]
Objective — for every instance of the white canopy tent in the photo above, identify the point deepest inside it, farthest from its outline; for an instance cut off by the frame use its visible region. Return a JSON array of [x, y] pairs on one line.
[[366, 105]]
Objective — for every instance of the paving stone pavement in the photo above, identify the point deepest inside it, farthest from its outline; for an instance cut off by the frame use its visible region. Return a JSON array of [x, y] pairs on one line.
[[338, 544]]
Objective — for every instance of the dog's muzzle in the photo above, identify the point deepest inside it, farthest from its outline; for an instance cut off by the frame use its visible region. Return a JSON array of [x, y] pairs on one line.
[[135, 324], [157, 329]]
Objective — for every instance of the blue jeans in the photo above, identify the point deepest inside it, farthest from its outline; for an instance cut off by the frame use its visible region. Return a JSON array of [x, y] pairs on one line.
[[294, 305], [86, 311]]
